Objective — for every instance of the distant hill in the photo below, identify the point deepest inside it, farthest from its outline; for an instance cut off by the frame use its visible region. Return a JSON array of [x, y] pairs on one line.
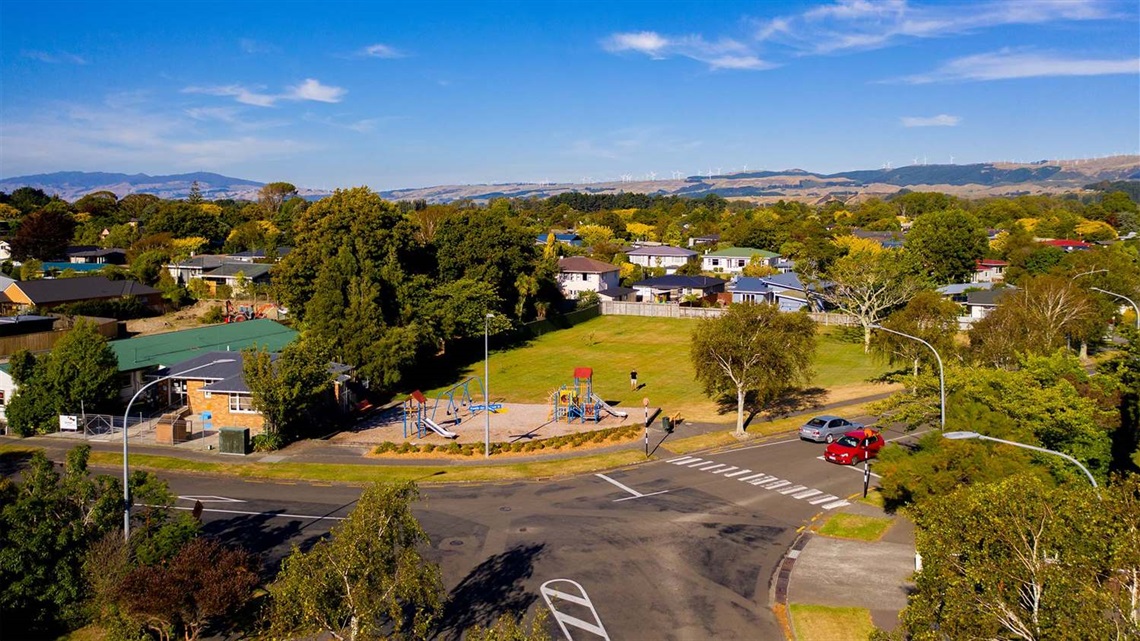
[[970, 181]]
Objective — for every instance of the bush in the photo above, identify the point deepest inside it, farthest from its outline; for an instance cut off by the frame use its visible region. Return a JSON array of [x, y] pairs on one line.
[[213, 315], [267, 442], [427, 447], [386, 446], [406, 448]]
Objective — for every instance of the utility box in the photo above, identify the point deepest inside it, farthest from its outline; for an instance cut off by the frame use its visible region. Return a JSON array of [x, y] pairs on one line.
[[233, 440], [666, 424]]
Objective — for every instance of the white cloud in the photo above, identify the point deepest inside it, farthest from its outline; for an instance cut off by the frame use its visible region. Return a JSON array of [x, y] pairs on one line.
[[381, 51], [855, 25], [312, 89], [1008, 64], [54, 58], [941, 120], [725, 53]]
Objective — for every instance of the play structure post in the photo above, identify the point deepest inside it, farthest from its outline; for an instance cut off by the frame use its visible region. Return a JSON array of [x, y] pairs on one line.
[[645, 404]]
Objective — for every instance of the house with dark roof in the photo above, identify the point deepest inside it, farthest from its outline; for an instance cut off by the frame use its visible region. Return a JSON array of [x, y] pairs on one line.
[[710, 239], [979, 303], [621, 294], [238, 276], [89, 254], [212, 388], [783, 290], [142, 356], [184, 271], [660, 256], [563, 238], [676, 287], [22, 295], [577, 274], [733, 260]]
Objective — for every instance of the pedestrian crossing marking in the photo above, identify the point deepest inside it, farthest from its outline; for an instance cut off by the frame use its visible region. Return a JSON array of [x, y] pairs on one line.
[[766, 479], [749, 478], [805, 494], [762, 481], [678, 461], [794, 488], [712, 465], [776, 485], [740, 473], [699, 461], [729, 469], [835, 504], [824, 499]]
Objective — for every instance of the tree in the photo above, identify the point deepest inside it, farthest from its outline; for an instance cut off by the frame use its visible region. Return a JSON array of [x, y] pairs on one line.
[[753, 349], [1019, 559], [928, 316], [947, 244], [367, 579], [1037, 318], [865, 284], [44, 235], [287, 389], [28, 199], [458, 309], [273, 195]]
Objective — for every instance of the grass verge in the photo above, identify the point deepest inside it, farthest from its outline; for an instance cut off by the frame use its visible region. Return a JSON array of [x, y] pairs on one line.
[[349, 473], [856, 526], [824, 623]]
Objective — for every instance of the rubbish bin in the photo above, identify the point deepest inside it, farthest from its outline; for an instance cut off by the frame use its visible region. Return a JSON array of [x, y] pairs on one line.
[[666, 424]]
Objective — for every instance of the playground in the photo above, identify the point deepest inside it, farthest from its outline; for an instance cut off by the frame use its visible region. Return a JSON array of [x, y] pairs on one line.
[[457, 414]]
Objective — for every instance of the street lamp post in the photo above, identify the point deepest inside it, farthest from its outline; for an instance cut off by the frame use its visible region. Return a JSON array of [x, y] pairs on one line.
[[126, 417], [941, 372], [959, 436], [487, 385], [1130, 301]]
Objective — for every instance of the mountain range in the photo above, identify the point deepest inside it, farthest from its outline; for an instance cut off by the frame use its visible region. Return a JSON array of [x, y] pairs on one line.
[[971, 181]]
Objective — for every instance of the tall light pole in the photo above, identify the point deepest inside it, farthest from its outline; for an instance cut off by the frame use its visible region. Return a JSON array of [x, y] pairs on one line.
[[959, 436], [126, 417], [1130, 301], [487, 385], [941, 373]]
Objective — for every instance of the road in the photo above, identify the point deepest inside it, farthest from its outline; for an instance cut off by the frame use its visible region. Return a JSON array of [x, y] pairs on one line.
[[682, 548]]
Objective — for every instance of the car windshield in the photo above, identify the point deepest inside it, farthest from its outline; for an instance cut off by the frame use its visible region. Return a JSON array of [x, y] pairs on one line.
[[816, 422], [849, 441]]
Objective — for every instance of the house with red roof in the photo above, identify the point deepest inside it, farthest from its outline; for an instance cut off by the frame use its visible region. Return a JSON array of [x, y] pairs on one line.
[[1068, 245], [988, 270]]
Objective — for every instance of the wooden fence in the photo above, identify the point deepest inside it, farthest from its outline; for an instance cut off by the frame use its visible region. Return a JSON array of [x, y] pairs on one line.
[[44, 341]]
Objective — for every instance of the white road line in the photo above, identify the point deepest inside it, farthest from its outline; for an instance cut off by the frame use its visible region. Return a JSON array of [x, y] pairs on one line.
[[766, 479], [753, 447], [624, 487], [678, 461], [754, 476], [835, 504], [852, 467], [776, 485], [269, 514], [639, 496], [699, 461], [823, 499], [794, 488], [709, 466], [740, 473], [805, 494], [727, 469]]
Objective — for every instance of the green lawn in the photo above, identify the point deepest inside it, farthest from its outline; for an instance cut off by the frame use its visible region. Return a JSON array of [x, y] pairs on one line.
[[823, 623], [856, 526], [658, 348]]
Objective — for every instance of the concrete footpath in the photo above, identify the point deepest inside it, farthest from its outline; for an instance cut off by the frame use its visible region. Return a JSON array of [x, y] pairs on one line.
[[829, 571]]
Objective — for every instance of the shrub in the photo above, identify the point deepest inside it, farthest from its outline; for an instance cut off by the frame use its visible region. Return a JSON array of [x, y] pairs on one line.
[[453, 448], [267, 442], [213, 315], [428, 447], [386, 446], [406, 448]]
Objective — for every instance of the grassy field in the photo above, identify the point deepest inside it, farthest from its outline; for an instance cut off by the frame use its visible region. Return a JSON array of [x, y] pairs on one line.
[[658, 348], [823, 623], [856, 526]]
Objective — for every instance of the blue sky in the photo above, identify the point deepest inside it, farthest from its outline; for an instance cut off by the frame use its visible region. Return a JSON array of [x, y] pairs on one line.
[[409, 94]]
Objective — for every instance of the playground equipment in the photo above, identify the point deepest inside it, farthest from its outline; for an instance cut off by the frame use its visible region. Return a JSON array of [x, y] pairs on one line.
[[579, 402], [415, 410], [465, 403]]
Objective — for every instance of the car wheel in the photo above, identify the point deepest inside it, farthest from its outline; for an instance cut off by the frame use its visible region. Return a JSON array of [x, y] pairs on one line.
[[830, 439], [854, 460]]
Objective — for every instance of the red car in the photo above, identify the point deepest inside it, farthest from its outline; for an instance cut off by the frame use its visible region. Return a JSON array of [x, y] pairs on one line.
[[854, 447]]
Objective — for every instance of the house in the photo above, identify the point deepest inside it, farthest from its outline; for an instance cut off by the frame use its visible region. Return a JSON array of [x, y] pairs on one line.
[[886, 239], [733, 260], [21, 296], [87, 254], [957, 291], [5, 250], [185, 271], [213, 382], [577, 274], [565, 238], [711, 239], [660, 256], [7, 390], [143, 355], [238, 276], [621, 294], [989, 270], [255, 255], [1068, 245], [783, 290], [675, 287], [980, 303], [784, 265]]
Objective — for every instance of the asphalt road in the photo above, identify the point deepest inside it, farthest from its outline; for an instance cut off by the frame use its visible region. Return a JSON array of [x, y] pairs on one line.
[[683, 548]]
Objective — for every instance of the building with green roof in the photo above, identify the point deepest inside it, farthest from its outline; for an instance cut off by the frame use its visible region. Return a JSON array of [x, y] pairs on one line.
[[733, 260], [142, 354]]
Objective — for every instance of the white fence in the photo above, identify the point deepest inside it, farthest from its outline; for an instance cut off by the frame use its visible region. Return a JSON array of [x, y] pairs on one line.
[[673, 310]]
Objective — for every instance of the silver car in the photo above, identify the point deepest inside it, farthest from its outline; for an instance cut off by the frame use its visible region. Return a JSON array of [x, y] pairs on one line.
[[827, 428]]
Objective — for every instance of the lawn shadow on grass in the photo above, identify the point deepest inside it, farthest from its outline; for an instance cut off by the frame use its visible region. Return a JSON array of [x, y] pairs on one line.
[[797, 400], [492, 589]]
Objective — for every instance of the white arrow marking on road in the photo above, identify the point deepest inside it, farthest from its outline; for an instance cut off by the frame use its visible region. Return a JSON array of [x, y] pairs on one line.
[[210, 499], [635, 493]]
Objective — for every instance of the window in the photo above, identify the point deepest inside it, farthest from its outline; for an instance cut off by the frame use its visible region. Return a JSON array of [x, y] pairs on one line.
[[206, 394], [715, 262], [241, 404]]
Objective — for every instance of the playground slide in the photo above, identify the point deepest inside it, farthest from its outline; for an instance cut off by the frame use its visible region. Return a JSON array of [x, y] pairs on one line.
[[438, 429], [608, 408]]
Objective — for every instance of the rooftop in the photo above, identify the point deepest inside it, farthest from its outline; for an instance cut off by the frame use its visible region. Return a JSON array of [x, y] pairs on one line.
[[742, 252], [662, 250], [249, 270], [585, 265], [677, 280], [62, 290], [174, 347]]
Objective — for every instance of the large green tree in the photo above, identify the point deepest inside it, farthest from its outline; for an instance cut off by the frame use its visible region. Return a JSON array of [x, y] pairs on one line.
[[288, 390], [367, 580], [947, 244], [753, 349], [44, 234]]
